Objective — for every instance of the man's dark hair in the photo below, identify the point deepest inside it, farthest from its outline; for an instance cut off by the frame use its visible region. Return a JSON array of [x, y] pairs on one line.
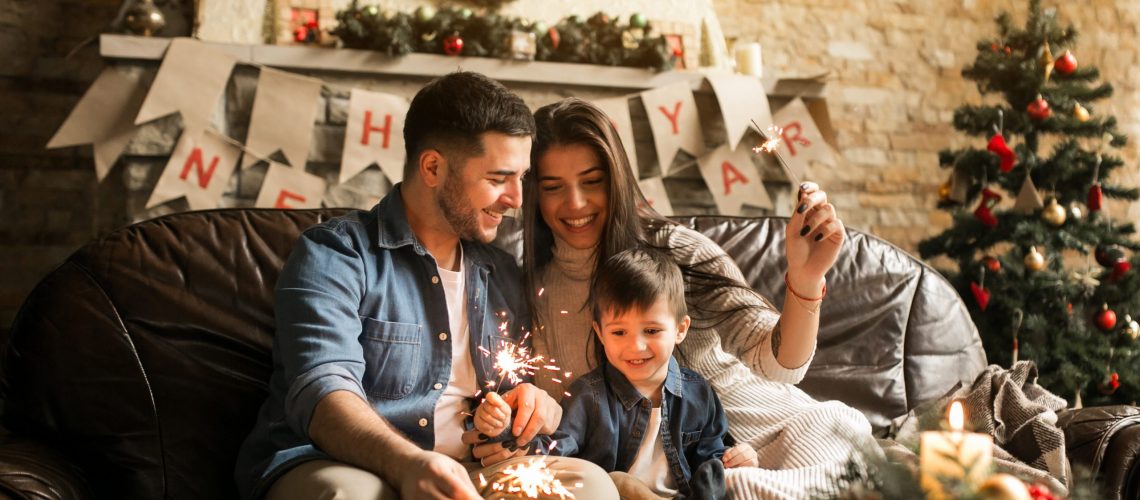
[[637, 278], [451, 113]]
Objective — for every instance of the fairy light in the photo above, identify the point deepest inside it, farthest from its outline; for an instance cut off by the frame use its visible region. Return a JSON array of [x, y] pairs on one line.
[[531, 479]]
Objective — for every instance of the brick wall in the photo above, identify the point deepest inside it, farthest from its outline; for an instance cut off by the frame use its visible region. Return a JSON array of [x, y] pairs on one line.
[[895, 83]]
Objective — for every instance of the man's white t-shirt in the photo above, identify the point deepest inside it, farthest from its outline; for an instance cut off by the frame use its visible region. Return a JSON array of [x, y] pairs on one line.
[[453, 405], [650, 464]]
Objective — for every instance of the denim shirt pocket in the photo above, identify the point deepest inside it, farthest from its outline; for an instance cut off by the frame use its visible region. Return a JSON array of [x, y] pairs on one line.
[[690, 437], [391, 357]]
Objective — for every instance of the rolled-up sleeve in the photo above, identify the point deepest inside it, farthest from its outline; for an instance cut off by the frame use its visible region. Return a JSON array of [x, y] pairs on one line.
[[318, 297]]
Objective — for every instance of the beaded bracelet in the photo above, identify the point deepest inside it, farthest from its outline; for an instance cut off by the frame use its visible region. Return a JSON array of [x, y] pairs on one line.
[[801, 297]]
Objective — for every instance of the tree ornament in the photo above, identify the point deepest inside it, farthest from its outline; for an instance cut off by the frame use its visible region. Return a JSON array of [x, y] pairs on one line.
[[1131, 327], [984, 212], [143, 18], [1003, 486], [1039, 109], [1075, 211], [1096, 197], [555, 38], [1108, 255], [998, 147], [1110, 384], [1053, 213], [372, 10], [1046, 61], [1034, 261], [1028, 199], [1105, 319], [992, 264], [1066, 64], [638, 20], [944, 191], [1080, 113], [1119, 269], [424, 13], [452, 45], [1007, 50], [981, 295]]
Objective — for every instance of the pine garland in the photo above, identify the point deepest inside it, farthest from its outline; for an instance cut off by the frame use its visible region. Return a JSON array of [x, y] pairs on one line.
[[597, 40]]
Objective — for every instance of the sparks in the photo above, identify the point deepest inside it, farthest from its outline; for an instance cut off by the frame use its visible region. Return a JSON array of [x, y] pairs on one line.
[[771, 142], [540, 290], [530, 479], [503, 326], [515, 362], [482, 480]]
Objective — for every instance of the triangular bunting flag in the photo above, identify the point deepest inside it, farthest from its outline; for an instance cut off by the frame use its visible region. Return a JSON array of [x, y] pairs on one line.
[[190, 81], [104, 118], [673, 118], [800, 140], [283, 113], [742, 102], [199, 169], [734, 180], [286, 187], [617, 109], [374, 134], [1028, 199], [653, 189]]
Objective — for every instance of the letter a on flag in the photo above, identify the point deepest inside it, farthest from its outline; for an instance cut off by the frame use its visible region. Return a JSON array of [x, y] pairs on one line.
[[733, 180], [199, 169], [374, 135]]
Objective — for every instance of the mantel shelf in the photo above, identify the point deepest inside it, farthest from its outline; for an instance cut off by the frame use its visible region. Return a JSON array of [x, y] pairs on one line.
[[431, 65]]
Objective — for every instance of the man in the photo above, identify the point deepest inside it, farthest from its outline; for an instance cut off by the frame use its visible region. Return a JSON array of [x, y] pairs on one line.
[[383, 316]]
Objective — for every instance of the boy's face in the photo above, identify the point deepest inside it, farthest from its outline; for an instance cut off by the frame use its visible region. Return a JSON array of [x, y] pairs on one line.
[[640, 342]]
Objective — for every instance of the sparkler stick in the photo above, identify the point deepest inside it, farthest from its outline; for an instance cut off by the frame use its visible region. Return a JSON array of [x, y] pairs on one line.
[[770, 145]]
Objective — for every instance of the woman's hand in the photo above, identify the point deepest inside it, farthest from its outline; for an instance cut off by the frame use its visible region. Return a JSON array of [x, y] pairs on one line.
[[492, 415], [740, 455], [813, 239], [488, 454]]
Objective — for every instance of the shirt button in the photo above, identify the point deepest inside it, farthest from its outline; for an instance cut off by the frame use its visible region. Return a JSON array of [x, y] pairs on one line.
[[435, 279], [443, 336], [423, 422], [438, 386]]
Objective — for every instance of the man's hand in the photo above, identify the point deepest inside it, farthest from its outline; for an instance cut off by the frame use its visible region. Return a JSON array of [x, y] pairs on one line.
[[437, 476], [740, 455], [491, 453], [535, 412], [493, 415]]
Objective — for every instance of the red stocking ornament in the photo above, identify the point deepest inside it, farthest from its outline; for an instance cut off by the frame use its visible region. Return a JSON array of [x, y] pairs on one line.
[[998, 147], [981, 295], [1096, 197], [984, 212]]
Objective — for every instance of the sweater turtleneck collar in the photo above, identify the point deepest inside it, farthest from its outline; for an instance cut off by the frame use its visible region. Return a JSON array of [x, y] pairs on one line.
[[576, 264]]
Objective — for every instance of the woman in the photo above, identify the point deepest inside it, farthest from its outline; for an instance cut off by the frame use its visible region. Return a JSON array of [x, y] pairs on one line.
[[582, 205]]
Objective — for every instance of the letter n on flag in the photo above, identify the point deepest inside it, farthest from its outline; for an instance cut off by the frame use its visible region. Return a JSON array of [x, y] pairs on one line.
[[673, 117], [733, 180], [199, 169], [374, 135], [287, 187]]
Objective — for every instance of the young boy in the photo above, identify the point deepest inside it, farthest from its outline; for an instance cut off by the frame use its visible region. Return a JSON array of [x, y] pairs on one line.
[[639, 412]]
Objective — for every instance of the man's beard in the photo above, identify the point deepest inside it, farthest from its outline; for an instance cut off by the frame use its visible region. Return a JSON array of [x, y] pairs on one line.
[[457, 211]]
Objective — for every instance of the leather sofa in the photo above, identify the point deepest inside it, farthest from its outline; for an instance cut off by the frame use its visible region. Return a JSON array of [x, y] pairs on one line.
[[136, 368]]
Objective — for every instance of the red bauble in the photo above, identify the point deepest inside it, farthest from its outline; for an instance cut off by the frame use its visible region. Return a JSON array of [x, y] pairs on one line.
[[981, 295], [452, 45], [998, 147], [1105, 319], [1110, 385], [1119, 269], [1096, 197], [1066, 64], [1039, 109], [992, 265]]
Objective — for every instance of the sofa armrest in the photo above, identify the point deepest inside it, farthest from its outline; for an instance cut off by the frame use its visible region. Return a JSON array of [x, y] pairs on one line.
[[31, 470], [1105, 440]]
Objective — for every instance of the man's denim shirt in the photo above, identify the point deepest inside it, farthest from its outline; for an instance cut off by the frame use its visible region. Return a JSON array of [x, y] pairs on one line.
[[606, 422], [360, 308]]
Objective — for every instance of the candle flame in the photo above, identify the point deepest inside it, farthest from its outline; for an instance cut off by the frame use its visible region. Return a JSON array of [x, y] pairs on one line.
[[957, 416]]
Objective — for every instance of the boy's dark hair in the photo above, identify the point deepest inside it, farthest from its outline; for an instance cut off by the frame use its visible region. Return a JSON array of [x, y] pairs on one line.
[[451, 113], [637, 278]]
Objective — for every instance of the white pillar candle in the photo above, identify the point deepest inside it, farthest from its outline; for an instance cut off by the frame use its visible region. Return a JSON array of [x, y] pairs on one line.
[[953, 454], [748, 60]]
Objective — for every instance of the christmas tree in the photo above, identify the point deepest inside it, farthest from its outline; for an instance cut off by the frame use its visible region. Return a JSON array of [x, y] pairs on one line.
[[1048, 277]]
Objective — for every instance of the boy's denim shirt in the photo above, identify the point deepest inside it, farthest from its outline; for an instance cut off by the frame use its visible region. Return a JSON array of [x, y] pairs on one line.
[[360, 307], [605, 423]]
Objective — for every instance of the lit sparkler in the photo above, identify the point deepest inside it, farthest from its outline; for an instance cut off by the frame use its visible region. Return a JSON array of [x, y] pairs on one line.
[[515, 362], [531, 479], [770, 145]]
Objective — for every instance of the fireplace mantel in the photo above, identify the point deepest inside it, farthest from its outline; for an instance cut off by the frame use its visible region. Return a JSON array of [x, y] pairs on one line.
[[367, 62]]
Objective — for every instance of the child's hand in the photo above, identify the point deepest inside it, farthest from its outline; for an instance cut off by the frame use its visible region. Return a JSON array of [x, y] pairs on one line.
[[493, 415], [740, 455]]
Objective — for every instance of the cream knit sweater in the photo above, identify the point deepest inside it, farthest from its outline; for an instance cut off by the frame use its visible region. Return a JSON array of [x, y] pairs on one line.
[[802, 443]]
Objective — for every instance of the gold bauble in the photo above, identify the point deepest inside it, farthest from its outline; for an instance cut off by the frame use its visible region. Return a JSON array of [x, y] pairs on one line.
[[143, 18], [944, 191], [1131, 327], [1003, 486], [1034, 261], [1053, 213], [1080, 112]]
